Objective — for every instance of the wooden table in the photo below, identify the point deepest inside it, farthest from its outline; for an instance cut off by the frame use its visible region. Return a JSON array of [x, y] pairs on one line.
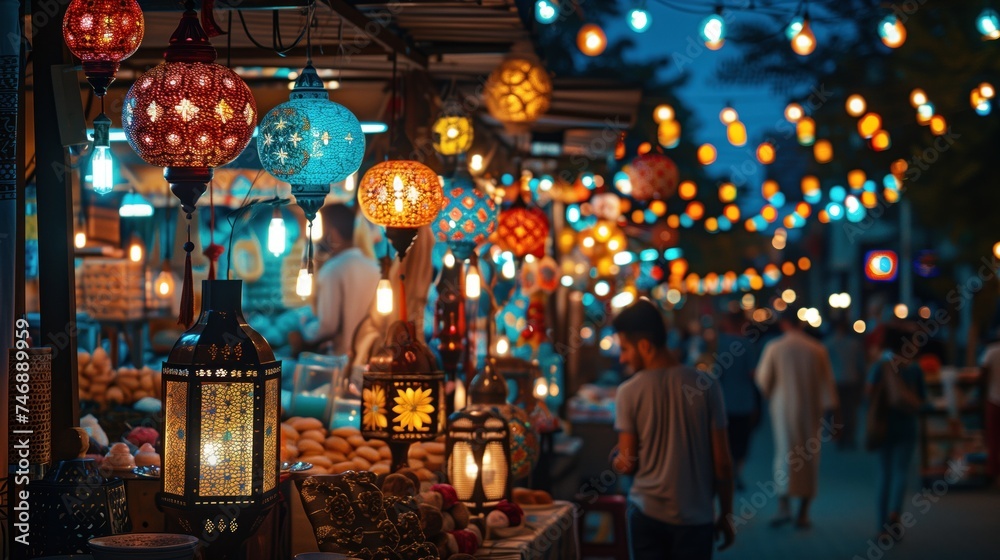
[[550, 535]]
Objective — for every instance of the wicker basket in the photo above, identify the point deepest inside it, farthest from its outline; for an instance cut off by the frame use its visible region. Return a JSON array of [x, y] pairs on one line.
[[37, 421]]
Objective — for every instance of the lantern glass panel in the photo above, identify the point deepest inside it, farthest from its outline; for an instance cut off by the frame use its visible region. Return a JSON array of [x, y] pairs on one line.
[[463, 470], [174, 437], [226, 439], [494, 471], [271, 430]]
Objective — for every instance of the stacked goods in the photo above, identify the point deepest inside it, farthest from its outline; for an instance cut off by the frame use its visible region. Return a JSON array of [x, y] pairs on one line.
[[100, 383], [113, 289], [345, 449], [132, 384], [529, 497], [95, 375]]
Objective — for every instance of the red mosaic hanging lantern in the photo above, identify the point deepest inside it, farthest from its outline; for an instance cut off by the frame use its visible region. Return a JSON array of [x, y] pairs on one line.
[[652, 176], [189, 115], [102, 33], [522, 230]]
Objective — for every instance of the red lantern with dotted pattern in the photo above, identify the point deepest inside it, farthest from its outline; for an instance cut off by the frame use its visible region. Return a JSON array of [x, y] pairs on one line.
[[652, 176], [102, 33]]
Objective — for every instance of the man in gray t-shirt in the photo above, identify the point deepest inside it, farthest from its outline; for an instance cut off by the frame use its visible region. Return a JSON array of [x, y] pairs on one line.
[[671, 425]]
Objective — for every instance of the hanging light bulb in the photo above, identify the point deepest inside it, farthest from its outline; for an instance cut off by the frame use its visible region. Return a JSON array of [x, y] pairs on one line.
[[135, 252], [639, 20], [165, 282], [80, 240], [502, 345], [383, 296], [351, 181], [546, 11], [713, 30], [508, 269], [728, 115], [316, 231], [449, 259], [804, 42], [102, 164], [988, 24], [856, 105], [892, 31], [304, 283], [793, 112], [476, 163], [473, 283], [276, 234], [793, 28]]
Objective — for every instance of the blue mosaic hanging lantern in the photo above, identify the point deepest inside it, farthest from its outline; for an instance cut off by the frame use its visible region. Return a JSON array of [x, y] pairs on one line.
[[468, 219], [310, 142]]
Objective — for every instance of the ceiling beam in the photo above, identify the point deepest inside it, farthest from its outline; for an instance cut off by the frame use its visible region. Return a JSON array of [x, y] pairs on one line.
[[382, 35], [245, 5]]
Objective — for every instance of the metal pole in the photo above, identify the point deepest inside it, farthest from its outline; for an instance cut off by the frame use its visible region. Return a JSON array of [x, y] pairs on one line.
[[905, 250], [57, 286]]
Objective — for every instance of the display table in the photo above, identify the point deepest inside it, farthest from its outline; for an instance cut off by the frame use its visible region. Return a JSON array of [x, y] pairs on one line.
[[551, 535]]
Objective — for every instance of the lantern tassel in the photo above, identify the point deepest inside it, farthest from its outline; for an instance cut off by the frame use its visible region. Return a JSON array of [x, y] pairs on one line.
[[402, 297], [208, 23], [186, 315]]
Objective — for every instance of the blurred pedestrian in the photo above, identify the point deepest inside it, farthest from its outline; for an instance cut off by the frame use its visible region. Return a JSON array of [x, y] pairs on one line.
[[794, 375], [990, 364], [847, 357], [896, 390], [672, 437], [736, 357]]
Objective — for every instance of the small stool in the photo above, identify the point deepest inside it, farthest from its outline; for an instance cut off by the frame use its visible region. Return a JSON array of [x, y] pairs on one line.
[[611, 540]]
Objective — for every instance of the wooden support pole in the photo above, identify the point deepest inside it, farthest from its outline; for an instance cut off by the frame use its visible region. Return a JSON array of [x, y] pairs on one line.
[[57, 285]]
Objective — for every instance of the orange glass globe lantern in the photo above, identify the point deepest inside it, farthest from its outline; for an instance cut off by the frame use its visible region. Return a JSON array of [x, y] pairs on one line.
[[400, 195], [102, 33]]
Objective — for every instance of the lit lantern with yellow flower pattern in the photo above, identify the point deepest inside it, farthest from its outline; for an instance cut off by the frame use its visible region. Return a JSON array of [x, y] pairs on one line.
[[403, 393], [518, 91]]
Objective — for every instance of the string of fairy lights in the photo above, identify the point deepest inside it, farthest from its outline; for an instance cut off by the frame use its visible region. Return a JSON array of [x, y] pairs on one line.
[[714, 28]]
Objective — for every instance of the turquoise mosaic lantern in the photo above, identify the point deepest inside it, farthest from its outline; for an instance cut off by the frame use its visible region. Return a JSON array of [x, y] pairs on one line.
[[469, 217], [310, 142]]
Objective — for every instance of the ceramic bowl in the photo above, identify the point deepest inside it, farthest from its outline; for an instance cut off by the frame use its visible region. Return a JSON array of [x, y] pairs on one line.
[[148, 546]]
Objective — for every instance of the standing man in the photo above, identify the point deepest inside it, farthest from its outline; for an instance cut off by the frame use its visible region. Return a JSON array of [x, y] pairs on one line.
[[794, 374], [671, 425], [847, 357], [345, 284]]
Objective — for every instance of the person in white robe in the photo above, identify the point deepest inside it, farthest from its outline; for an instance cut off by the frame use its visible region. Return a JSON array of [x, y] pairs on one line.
[[796, 377]]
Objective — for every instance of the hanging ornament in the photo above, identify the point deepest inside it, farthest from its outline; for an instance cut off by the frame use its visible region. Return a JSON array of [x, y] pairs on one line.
[[467, 219], [102, 33], [522, 230], [189, 115], [453, 131], [518, 91], [402, 196], [653, 175], [310, 142]]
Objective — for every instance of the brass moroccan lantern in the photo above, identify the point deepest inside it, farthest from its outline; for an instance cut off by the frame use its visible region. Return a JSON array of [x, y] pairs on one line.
[[478, 457], [221, 387], [403, 393]]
